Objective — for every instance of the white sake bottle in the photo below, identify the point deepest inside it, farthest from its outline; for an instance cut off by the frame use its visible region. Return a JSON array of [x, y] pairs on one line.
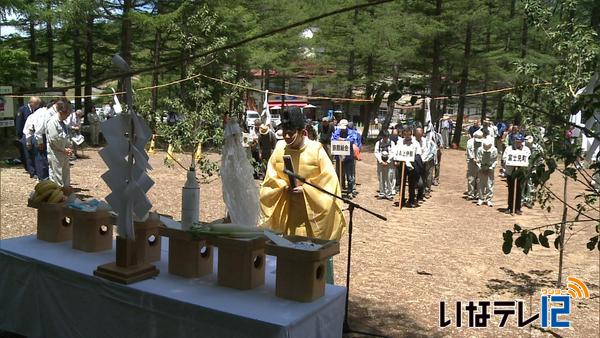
[[190, 200]]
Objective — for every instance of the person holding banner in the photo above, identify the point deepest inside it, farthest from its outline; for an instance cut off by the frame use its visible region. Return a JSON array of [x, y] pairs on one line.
[[345, 133], [486, 158], [515, 157], [385, 167], [405, 156]]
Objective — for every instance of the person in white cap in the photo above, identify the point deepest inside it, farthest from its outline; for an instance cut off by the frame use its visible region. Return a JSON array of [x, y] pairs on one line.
[[472, 169], [486, 158], [343, 133]]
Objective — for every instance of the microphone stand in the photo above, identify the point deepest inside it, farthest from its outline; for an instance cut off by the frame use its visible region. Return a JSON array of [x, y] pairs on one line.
[[351, 206]]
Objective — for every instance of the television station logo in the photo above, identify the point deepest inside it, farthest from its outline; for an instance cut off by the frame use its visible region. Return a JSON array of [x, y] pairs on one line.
[[555, 307]]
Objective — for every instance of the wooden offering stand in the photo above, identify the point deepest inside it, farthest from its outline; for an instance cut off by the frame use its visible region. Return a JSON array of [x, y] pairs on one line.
[[52, 224], [126, 269], [188, 256], [147, 239], [92, 231], [241, 262], [134, 256], [300, 274]]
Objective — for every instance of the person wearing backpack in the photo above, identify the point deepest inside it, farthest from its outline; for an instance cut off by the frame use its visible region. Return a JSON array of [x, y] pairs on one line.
[[385, 167]]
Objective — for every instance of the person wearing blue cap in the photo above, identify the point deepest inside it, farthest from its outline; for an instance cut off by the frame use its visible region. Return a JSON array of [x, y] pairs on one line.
[[517, 174]]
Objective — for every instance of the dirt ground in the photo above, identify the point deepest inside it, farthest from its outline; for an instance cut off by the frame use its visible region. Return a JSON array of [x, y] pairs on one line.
[[448, 249]]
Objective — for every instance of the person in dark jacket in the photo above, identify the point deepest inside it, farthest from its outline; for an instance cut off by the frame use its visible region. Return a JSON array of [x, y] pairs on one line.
[[22, 115], [325, 132]]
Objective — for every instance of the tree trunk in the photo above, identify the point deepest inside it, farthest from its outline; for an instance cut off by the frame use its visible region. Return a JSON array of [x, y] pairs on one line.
[[126, 31], [267, 78], [484, 103], [349, 87], [500, 113], [89, 62], [77, 68], [486, 76], [436, 78], [32, 50], [391, 103], [513, 5], [350, 77], [50, 42], [462, 88], [563, 227], [156, 56], [524, 37], [183, 74], [367, 109], [595, 16]]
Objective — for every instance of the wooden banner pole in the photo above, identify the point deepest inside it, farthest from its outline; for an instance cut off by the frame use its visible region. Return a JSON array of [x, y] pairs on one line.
[[514, 205], [402, 186], [338, 164]]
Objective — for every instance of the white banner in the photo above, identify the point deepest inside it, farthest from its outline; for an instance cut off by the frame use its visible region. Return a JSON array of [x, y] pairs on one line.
[[7, 108], [340, 147], [517, 158], [405, 153], [7, 123]]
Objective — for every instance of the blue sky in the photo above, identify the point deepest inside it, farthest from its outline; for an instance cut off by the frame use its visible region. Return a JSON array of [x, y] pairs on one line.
[[8, 30]]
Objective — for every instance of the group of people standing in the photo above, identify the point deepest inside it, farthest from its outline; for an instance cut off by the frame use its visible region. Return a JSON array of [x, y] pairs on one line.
[[486, 145], [408, 157], [44, 135], [263, 138]]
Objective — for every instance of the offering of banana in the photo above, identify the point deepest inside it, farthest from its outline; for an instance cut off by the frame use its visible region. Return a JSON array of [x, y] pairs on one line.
[[47, 192]]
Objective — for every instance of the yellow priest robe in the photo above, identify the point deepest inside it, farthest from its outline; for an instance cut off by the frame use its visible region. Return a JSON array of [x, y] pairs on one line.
[[312, 213]]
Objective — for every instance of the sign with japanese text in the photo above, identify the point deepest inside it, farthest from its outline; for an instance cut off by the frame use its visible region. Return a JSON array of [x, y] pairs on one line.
[[517, 158], [7, 123], [7, 107], [340, 147], [405, 153]]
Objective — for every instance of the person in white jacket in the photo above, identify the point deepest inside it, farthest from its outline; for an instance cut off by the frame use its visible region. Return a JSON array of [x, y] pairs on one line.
[[408, 144], [385, 166], [472, 169], [486, 158], [428, 156], [59, 145]]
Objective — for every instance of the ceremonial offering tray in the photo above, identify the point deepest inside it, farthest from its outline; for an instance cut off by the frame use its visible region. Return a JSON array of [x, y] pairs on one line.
[[301, 268], [147, 239], [241, 262], [189, 256], [92, 231], [52, 224]]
